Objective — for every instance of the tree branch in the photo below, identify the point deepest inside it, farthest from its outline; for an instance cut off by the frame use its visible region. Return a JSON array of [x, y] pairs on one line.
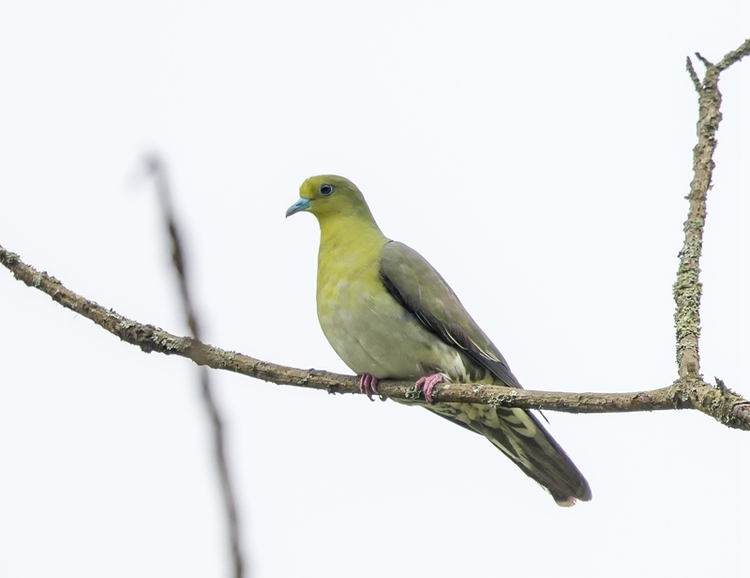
[[693, 75], [155, 168], [734, 56], [687, 289], [689, 392], [718, 402]]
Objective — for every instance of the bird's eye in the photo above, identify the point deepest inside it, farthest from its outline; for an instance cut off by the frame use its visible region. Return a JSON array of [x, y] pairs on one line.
[[325, 189]]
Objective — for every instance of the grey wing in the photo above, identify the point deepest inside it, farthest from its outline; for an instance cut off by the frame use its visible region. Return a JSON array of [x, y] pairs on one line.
[[415, 284]]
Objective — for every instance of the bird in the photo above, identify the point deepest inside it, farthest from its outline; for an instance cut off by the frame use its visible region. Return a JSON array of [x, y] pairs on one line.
[[389, 314]]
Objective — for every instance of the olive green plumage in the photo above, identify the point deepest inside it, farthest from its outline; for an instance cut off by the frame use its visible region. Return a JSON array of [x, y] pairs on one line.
[[388, 313]]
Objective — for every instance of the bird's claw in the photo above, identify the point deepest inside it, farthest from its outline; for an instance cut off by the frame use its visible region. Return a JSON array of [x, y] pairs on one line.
[[368, 384], [427, 384]]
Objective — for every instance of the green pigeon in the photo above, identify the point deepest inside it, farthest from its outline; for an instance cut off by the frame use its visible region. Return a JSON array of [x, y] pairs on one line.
[[390, 315]]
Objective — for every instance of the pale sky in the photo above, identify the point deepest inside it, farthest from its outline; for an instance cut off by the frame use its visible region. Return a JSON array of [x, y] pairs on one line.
[[536, 153]]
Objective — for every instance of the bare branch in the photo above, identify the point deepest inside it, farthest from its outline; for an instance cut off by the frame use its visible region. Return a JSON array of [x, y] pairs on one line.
[[687, 288], [719, 402], [734, 56], [705, 62], [693, 75], [155, 168]]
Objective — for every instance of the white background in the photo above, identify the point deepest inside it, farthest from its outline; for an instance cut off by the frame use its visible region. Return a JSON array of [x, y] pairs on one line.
[[536, 153]]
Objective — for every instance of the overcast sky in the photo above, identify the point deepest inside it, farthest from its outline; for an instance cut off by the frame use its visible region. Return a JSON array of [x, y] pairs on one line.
[[536, 153]]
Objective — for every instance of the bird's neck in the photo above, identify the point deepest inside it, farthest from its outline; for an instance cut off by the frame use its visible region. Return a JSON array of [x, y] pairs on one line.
[[350, 232], [348, 242]]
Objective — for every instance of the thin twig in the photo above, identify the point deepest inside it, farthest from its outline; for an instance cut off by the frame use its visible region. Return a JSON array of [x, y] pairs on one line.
[[718, 401], [705, 61], [155, 168], [693, 74], [734, 56], [687, 288]]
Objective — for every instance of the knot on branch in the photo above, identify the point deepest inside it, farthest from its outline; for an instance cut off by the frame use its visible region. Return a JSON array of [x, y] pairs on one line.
[[685, 392], [718, 401], [741, 413], [734, 410]]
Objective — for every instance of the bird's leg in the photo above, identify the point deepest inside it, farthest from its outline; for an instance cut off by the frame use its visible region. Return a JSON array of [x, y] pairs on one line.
[[368, 384], [427, 384]]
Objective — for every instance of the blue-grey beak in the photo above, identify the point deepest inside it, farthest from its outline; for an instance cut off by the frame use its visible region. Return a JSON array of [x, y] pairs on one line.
[[300, 205]]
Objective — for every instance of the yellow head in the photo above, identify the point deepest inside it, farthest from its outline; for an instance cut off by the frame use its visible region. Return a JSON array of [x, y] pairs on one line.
[[328, 196]]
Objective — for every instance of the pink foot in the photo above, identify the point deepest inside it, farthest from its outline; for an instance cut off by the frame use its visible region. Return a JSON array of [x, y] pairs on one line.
[[368, 384], [427, 384]]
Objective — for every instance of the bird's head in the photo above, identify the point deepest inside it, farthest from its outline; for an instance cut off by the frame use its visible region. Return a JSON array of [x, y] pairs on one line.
[[328, 197]]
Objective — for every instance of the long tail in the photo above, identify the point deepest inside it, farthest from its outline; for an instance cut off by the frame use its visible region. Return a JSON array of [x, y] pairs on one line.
[[521, 437]]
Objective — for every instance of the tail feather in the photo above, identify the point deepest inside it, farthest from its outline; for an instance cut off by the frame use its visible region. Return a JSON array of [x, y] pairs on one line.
[[521, 437]]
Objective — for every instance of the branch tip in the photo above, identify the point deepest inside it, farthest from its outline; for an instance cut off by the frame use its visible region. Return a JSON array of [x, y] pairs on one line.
[[705, 61], [734, 56], [693, 74]]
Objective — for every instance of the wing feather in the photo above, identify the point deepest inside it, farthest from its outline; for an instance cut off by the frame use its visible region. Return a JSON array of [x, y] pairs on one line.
[[418, 287], [414, 283]]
